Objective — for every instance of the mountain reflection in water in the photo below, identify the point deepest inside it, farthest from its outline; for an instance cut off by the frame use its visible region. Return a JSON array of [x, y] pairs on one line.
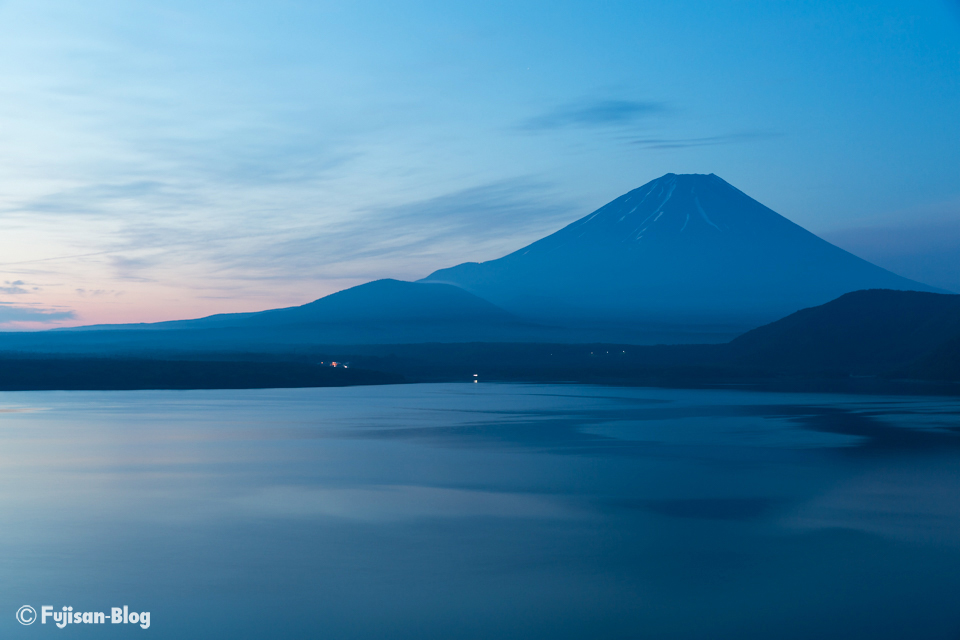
[[479, 511]]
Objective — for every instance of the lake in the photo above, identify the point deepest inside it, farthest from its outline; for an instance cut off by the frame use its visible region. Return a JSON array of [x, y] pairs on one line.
[[482, 511]]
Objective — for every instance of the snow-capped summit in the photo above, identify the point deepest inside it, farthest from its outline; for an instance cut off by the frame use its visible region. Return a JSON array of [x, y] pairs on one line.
[[688, 249], [667, 206]]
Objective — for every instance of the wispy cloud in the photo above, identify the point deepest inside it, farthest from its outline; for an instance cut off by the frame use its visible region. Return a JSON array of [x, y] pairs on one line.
[[683, 143], [88, 199], [12, 313], [98, 292], [276, 256], [406, 240], [593, 114], [14, 287]]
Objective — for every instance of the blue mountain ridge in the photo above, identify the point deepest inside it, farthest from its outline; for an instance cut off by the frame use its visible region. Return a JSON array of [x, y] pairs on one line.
[[682, 249], [684, 258], [380, 301]]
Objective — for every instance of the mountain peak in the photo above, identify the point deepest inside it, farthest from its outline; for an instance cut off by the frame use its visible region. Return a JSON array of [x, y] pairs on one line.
[[671, 212], [673, 204], [681, 248]]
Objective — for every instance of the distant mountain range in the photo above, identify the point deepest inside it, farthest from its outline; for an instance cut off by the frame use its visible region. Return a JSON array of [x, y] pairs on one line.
[[682, 249], [877, 334], [682, 259], [381, 303], [383, 311], [876, 341]]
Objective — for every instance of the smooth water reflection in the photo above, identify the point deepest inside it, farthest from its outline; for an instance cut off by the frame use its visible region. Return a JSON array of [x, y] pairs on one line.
[[479, 511]]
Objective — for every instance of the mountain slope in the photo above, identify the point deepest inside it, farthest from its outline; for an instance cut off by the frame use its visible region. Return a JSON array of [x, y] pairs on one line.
[[380, 312], [378, 302], [687, 249], [877, 332]]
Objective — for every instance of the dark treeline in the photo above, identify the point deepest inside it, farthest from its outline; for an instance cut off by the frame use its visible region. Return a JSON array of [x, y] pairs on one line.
[[867, 341], [85, 373]]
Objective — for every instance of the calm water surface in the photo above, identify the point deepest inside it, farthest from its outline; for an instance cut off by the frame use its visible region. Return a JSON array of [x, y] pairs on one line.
[[482, 511]]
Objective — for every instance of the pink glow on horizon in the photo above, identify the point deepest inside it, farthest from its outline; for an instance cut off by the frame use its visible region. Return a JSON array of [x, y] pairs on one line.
[[148, 305]]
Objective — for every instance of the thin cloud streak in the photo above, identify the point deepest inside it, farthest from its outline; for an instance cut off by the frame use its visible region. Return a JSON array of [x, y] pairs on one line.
[[401, 241], [684, 143], [260, 260], [593, 114], [12, 314], [54, 259]]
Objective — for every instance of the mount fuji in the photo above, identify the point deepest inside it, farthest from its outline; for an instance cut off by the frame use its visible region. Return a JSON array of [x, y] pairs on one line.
[[682, 259], [682, 250]]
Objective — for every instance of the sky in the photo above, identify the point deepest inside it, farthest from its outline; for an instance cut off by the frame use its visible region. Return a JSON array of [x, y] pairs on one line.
[[178, 159]]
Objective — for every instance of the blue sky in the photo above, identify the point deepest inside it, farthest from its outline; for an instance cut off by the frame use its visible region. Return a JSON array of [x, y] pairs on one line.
[[165, 160]]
